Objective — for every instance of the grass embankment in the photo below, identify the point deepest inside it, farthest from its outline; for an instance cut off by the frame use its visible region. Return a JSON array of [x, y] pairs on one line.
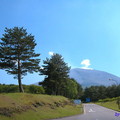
[[111, 104], [17, 106]]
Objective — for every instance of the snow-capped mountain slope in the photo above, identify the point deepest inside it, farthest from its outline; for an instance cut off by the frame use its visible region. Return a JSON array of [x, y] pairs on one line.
[[88, 77]]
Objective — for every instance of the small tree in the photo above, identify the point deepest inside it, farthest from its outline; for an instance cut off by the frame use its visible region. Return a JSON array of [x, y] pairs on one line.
[[70, 89], [17, 54], [79, 89], [56, 73]]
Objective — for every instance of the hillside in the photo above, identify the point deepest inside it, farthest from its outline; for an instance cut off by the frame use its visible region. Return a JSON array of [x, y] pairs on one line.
[[110, 103], [88, 77], [19, 106]]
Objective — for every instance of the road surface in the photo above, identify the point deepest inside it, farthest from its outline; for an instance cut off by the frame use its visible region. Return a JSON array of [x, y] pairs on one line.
[[95, 112]]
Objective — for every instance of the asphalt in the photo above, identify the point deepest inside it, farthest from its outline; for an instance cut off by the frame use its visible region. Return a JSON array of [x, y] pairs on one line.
[[95, 112]]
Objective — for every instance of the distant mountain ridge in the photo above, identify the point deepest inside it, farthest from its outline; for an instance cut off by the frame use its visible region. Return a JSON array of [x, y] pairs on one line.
[[88, 77]]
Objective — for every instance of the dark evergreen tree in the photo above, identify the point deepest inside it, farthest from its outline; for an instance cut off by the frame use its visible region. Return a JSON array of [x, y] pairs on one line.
[[102, 92], [92, 93], [56, 73], [17, 55], [118, 90], [111, 91]]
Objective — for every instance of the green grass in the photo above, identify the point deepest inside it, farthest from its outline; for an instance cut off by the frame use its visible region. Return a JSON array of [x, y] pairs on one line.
[[110, 104], [36, 107]]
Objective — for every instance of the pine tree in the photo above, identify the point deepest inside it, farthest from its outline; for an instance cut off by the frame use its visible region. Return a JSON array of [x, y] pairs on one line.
[[56, 72], [17, 55]]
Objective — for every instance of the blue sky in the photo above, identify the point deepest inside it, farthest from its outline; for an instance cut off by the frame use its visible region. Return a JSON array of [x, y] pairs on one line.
[[85, 32]]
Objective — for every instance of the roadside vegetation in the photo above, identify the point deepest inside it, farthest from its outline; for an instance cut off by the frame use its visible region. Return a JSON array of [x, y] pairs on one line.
[[24, 106], [27, 89], [96, 93], [112, 103], [105, 96]]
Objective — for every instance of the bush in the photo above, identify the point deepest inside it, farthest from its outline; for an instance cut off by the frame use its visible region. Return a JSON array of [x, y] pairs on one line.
[[27, 88], [8, 88], [36, 89]]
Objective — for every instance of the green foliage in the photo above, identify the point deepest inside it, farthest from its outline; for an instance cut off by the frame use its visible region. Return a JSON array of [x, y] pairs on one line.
[[92, 93], [95, 93], [17, 54], [109, 104], [106, 100], [113, 103], [102, 93], [36, 89], [70, 89], [113, 91], [8, 88], [27, 88], [79, 89], [56, 73], [57, 81]]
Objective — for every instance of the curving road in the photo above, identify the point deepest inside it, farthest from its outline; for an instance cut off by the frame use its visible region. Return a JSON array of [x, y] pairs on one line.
[[94, 112]]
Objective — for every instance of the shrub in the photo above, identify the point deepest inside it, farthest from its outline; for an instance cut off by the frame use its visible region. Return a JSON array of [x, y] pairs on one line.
[[27, 88], [8, 88], [36, 89]]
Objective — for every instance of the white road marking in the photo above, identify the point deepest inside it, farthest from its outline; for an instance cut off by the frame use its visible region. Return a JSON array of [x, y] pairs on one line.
[[84, 110], [91, 110]]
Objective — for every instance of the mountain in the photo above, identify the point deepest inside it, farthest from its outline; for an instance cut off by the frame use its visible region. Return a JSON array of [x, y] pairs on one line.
[[87, 77]]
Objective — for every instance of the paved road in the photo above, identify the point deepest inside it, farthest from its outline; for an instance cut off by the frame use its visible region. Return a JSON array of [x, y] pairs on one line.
[[94, 112]]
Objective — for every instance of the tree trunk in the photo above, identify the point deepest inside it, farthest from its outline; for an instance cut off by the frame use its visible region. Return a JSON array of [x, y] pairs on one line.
[[19, 77]]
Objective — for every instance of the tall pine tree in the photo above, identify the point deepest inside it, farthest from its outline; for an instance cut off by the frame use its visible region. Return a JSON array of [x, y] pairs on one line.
[[56, 73], [17, 55]]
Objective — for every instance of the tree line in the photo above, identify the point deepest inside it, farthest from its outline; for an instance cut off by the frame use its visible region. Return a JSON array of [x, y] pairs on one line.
[[96, 93]]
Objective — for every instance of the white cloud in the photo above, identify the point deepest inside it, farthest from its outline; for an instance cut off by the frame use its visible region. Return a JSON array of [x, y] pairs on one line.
[[41, 68], [86, 63], [50, 53]]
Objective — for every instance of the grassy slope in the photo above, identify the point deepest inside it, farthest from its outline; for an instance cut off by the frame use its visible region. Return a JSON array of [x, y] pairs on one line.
[[110, 104], [17, 106]]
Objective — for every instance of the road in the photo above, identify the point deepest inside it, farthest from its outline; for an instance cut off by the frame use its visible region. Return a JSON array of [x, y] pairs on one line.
[[94, 112]]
